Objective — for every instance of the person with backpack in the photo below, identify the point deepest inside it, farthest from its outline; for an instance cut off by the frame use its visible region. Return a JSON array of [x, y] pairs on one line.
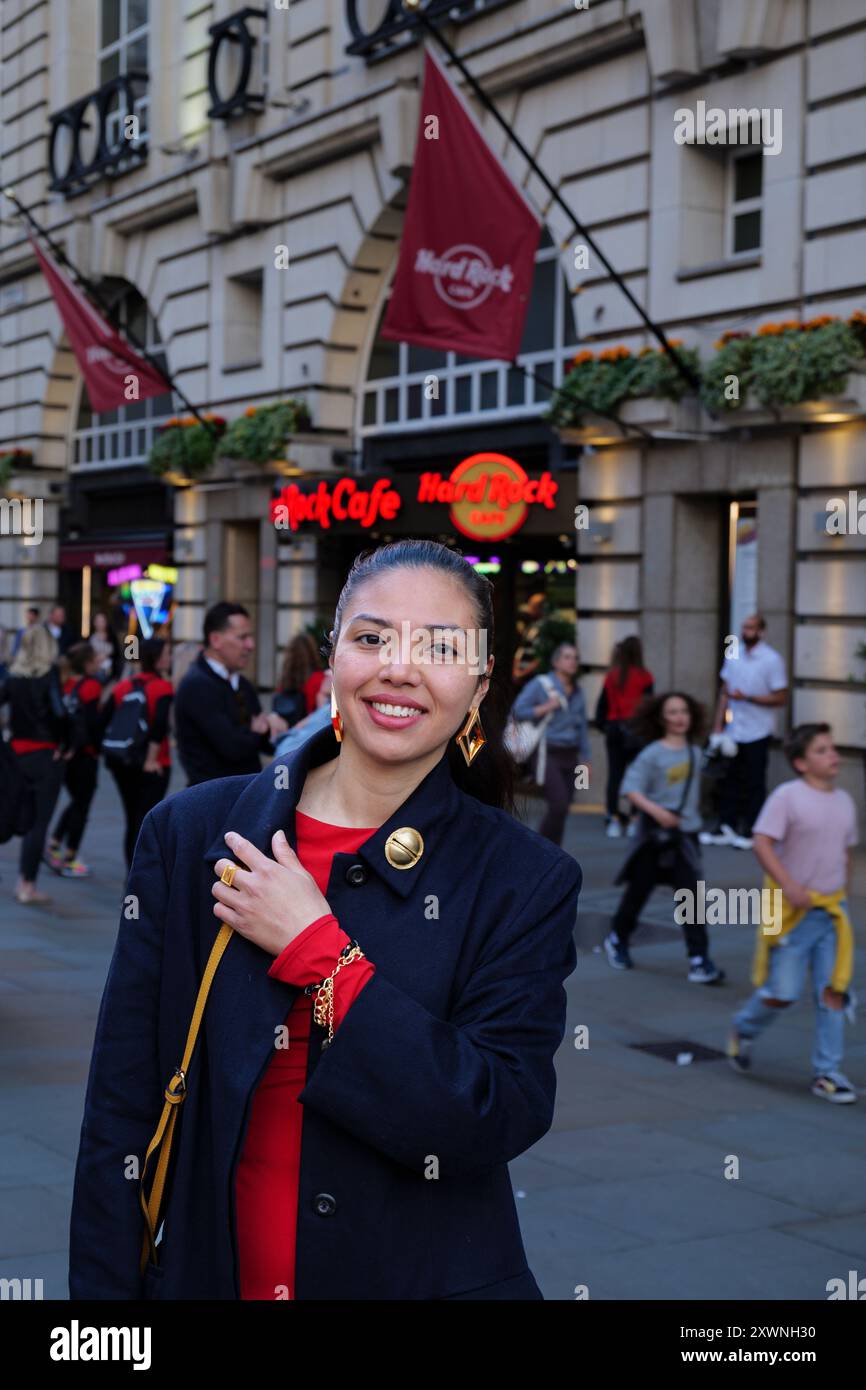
[[299, 681], [135, 744], [663, 783], [82, 692], [40, 740], [625, 685]]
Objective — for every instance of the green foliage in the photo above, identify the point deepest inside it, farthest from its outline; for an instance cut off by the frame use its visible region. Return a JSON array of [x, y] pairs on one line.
[[13, 460], [602, 384], [262, 433], [184, 449], [782, 365], [803, 366], [733, 358]]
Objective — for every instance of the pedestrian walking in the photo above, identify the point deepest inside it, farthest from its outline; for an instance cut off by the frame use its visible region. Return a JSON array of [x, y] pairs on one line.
[[39, 728], [625, 685], [411, 937], [296, 686], [135, 742], [221, 730], [60, 629], [803, 838], [663, 783], [557, 698], [310, 724], [82, 694], [754, 686], [104, 642], [30, 620]]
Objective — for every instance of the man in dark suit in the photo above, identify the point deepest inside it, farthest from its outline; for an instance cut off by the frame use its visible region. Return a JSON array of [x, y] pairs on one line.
[[60, 629], [221, 730]]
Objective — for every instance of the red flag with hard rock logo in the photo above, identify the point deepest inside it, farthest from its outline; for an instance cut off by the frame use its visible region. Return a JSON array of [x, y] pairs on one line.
[[107, 362], [467, 254]]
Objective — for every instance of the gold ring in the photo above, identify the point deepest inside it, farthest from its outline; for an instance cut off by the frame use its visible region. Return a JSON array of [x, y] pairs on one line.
[[228, 874]]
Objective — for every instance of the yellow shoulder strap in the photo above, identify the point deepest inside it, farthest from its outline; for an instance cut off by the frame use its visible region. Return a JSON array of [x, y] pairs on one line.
[[175, 1093]]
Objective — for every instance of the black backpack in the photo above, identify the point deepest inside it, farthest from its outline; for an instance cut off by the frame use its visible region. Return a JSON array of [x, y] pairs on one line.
[[77, 713], [18, 802], [126, 738]]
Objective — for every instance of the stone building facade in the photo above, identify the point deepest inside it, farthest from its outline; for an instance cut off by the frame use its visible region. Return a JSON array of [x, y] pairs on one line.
[[311, 150]]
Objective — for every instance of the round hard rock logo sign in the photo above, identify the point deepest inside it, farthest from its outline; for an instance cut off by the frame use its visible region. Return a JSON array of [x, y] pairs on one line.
[[465, 275], [493, 501]]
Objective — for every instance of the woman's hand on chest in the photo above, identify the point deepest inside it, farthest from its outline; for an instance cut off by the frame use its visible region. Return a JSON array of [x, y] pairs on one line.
[[270, 901]]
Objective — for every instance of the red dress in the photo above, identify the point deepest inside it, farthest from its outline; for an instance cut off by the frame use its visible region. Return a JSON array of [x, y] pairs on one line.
[[266, 1182]]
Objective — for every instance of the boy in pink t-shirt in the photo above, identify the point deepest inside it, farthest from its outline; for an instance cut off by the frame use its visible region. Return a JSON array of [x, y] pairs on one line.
[[802, 840]]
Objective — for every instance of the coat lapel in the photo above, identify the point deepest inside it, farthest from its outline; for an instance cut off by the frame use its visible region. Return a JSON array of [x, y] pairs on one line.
[[268, 805]]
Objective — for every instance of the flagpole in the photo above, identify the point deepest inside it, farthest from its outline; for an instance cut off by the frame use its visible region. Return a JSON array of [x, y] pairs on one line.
[[106, 308], [414, 7]]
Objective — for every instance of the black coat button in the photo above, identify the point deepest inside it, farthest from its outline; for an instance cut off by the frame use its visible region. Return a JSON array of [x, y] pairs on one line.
[[356, 874], [324, 1204]]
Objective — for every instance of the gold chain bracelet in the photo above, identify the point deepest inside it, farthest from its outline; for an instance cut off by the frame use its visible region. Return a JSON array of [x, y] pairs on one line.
[[323, 1003]]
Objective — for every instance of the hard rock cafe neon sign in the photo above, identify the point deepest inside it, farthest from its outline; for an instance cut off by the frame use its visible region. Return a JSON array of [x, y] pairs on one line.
[[488, 497]]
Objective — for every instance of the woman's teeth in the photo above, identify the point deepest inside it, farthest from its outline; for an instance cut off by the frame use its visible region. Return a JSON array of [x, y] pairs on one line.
[[397, 711]]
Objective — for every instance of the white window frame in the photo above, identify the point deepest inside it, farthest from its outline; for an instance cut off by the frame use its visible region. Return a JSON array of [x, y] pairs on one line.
[[735, 209], [121, 45]]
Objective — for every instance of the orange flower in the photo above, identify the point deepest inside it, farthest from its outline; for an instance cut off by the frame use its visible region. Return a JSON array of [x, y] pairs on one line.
[[645, 351], [730, 335], [820, 321], [788, 324], [250, 411], [614, 354], [675, 342], [858, 316], [585, 356], [768, 330]]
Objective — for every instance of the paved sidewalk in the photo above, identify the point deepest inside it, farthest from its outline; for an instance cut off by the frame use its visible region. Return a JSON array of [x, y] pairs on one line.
[[626, 1195]]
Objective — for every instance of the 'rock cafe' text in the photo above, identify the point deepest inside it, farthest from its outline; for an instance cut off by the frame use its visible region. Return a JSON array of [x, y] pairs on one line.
[[345, 501]]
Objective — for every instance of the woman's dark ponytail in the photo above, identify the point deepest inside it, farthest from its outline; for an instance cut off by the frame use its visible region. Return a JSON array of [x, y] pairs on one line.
[[491, 775]]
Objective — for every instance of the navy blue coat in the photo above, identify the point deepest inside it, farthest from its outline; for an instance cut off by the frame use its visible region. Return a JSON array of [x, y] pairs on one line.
[[447, 1052]]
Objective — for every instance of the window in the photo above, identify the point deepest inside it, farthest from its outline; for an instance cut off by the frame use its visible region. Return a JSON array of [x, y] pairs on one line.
[[122, 437], [408, 387], [745, 183], [242, 326], [123, 52]]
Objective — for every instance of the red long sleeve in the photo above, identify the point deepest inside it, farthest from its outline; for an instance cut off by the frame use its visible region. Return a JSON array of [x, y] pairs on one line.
[[266, 1183], [313, 955]]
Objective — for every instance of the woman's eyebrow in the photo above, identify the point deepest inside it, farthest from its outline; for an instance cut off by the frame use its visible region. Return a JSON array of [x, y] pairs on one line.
[[382, 622]]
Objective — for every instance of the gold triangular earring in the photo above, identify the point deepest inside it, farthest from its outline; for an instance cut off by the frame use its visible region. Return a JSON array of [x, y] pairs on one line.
[[470, 743]]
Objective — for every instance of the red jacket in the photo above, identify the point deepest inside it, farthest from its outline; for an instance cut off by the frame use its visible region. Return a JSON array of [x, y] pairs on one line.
[[622, 701]]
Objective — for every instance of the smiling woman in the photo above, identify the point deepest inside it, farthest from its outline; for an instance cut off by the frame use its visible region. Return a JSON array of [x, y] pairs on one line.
[[379, 1035]]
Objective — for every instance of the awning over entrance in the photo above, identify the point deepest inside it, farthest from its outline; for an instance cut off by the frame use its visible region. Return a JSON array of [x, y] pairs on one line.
[[75, 555]]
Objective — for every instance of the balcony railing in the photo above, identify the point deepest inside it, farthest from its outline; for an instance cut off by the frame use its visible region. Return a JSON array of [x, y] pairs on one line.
[[89, 140], [396, 28], [122, 445], [481, 390]]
